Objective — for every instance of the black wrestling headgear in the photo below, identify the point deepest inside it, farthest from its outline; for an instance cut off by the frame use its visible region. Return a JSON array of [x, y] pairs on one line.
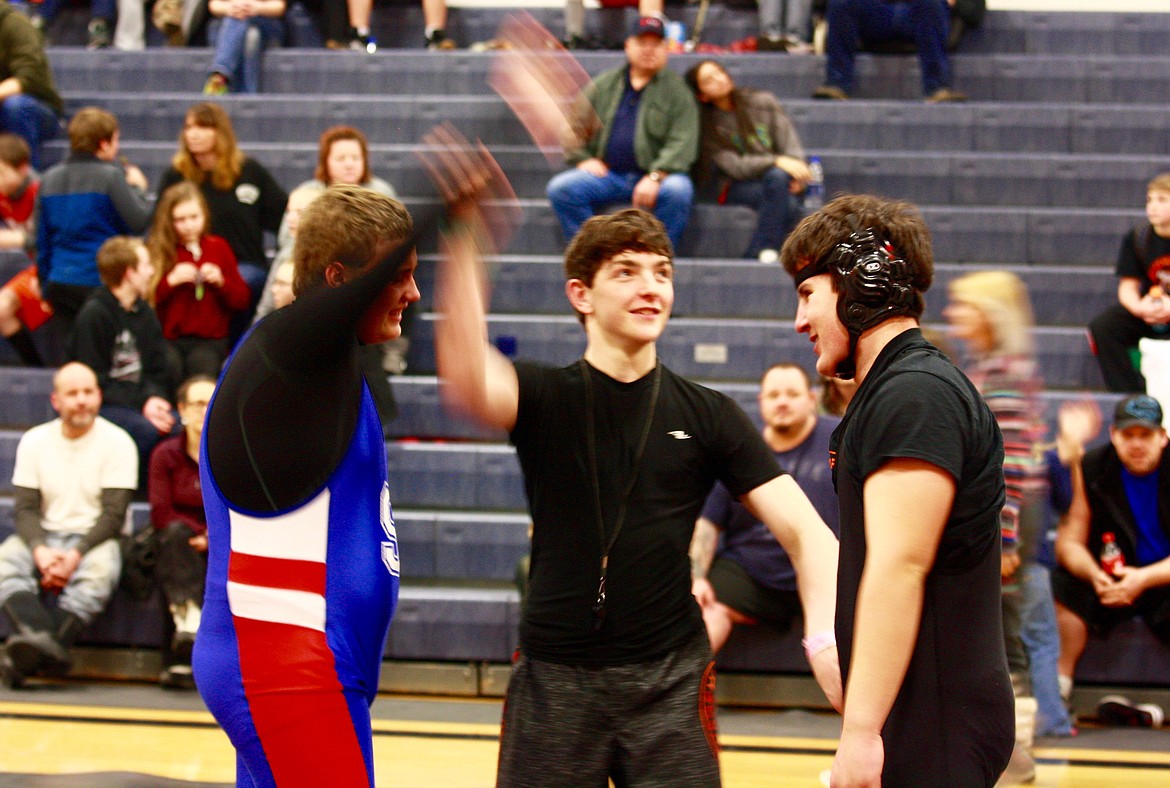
[[873, 284]]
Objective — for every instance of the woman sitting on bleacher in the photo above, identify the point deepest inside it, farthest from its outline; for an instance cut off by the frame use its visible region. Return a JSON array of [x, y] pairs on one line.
[[176, 513], [245, 30], [751, 155]]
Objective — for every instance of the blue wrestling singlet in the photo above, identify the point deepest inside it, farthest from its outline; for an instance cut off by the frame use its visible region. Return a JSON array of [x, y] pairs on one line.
[[295, 617]]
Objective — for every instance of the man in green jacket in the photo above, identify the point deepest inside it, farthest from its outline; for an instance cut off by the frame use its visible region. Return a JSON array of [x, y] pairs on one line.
[[29, 104], [640, 130]]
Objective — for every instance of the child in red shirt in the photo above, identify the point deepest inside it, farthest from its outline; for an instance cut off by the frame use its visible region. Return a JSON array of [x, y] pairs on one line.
[[22, 310], [198, 285]]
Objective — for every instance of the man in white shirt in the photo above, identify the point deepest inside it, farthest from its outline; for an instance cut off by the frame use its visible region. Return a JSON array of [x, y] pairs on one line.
[[73, 481]]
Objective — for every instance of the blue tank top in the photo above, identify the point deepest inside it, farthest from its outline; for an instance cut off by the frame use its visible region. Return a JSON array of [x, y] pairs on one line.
[[329, 563]]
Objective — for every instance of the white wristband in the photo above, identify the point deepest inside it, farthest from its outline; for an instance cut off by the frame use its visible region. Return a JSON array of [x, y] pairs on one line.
[[816, 643]]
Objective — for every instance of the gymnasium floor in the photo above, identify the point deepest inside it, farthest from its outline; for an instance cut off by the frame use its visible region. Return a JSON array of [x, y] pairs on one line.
[[114, 735]]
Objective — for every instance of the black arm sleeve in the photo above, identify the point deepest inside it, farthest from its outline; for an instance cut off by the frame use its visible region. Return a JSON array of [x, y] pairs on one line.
[[110, 521], [26, 516], [286, 408]]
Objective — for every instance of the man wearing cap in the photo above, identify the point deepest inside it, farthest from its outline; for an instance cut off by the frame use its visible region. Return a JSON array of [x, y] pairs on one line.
[[1120, 491], [917, 463], [637, 137]]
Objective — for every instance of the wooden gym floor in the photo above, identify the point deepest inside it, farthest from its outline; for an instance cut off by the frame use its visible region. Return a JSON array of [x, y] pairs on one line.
[[122, 734]]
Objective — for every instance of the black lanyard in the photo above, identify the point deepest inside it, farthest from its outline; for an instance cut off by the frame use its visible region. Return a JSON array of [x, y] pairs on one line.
[[591, 445]]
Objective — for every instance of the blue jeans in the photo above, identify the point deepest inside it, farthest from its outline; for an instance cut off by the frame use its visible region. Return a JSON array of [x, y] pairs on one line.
[[238, 49], [31, 119], [925, 22], [576, 195], [1042, 642], [786, 18], [777, 209]]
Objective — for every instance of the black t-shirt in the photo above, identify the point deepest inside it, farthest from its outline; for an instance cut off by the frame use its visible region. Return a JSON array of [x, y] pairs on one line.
[[1145, 256], [953, 720], [241, 214], [697, 436]]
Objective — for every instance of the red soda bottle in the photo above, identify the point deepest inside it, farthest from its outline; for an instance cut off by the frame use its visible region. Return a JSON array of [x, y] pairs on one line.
[[1112, 558]]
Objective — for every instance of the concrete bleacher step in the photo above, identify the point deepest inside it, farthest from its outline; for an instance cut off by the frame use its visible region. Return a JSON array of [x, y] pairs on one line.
[[1004, 235], [743, 288], [884, 125], [984, 77], [968, 178], [731, 349]]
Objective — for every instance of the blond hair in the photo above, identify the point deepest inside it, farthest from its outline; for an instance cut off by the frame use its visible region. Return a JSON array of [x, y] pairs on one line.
[[1002, 298]]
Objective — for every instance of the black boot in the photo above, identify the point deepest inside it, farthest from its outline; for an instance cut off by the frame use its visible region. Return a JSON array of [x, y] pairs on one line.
[[22, 343], [66, 627], [34, 646]]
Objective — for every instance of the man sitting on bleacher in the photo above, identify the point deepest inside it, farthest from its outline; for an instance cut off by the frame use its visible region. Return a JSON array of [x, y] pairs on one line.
[[73, 480], [639, 132], [1122, 494]]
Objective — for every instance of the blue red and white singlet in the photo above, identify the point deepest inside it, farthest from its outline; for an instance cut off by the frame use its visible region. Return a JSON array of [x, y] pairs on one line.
[[295, 617]]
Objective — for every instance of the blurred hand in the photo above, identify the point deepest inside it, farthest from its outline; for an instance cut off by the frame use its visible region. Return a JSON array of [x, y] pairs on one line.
[[1130, 584], [826, 668], [478, 194], [182, 273], [1009, 562], [158, 412], [797, 170], [703, 592], [541, 82], [595, 167], [1079, 422], [199, 542], [212, 274], [134, 177], [859, 761], [646, 193]]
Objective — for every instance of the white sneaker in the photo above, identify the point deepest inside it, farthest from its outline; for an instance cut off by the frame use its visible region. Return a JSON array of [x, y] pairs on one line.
[[769, 256]]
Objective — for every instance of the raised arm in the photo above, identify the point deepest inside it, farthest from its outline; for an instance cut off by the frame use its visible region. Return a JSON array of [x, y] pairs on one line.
[[478, 379], [907, 503], [782, 506]]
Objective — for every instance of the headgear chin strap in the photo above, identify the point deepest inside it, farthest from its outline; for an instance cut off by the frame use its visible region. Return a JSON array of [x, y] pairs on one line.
[[872, 283]]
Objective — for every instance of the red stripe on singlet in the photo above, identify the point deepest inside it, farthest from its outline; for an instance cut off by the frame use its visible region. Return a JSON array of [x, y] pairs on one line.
[[287, 573], [298, 706]]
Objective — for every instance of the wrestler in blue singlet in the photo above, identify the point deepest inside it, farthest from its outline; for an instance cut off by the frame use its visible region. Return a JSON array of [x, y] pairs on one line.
[[302, 553]]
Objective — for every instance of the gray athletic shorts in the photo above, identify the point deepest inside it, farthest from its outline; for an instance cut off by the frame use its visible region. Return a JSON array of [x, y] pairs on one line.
[[647, 724]]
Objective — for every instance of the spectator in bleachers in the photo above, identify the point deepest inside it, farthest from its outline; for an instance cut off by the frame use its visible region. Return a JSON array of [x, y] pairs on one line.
[[176, 513], [925, 22], [243, 197], [118, 336], [750, 155], [1143, 294], [245, 29], [73, 480], [101, 19], [196, 286], [281, 289], [298, 200], [740, 573], [84, 200], [785, 26], [835, 395], [343, 156], [575, 37], [639, 127], [1121, 496], [345, 24], [22, 310], [991, 314], [29, 103]]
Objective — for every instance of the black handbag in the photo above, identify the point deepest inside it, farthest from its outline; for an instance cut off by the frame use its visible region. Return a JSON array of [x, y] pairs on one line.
[[139, 555]]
